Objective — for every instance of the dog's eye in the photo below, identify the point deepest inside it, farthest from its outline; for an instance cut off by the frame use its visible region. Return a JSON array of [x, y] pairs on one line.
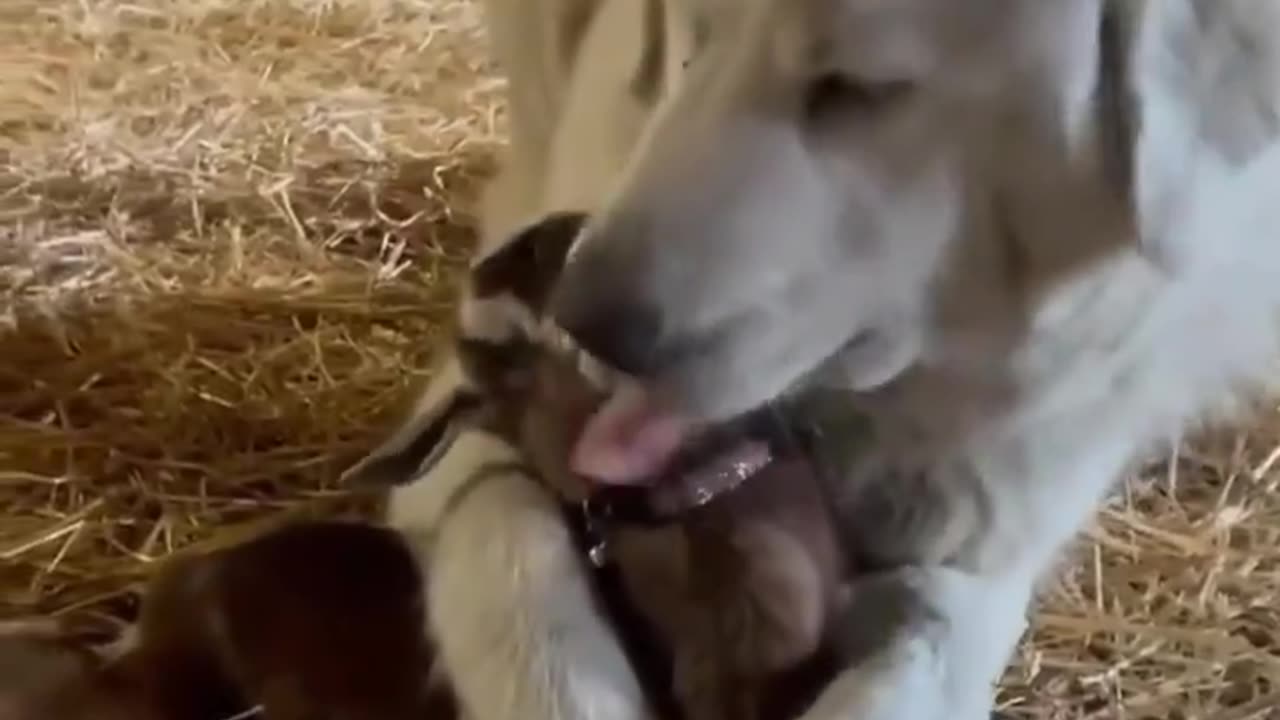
[[835, 92]]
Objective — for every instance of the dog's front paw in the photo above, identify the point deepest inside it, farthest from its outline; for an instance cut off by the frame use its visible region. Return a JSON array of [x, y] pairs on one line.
[[920, 644], [887, 637], [900, 682]]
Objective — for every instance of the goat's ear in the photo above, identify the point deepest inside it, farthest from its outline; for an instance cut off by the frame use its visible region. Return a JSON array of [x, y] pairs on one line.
[[1198, 96], [527, 266], [415, 446]]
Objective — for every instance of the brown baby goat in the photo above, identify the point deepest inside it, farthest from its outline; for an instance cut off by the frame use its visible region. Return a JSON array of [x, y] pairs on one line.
[[734, 577], [312, 621]]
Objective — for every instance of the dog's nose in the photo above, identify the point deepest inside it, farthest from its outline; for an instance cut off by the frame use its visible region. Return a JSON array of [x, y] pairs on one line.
[[623, 335]]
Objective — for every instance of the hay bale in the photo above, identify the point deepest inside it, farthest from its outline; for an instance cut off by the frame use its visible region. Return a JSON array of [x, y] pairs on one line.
[[228, 232]]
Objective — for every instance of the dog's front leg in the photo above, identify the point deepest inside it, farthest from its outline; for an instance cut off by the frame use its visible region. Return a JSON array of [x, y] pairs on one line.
[[512, 611], [924, 643]]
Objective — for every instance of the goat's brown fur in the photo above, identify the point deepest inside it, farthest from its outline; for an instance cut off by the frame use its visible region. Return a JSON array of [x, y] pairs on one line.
[[740, 589], [313, 621]]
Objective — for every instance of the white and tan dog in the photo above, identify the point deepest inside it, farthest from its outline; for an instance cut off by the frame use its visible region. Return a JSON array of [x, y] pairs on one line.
[[1037, 237]]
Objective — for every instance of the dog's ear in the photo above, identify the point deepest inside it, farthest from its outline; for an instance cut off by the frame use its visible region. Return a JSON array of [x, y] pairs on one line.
[[1196, 99], [415, 446]]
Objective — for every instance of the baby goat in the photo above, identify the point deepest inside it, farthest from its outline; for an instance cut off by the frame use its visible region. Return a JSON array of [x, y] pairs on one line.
[[719, 585], [311, 621]]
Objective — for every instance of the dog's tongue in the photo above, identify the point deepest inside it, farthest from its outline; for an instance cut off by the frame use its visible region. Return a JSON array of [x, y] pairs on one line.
[[629, 440]]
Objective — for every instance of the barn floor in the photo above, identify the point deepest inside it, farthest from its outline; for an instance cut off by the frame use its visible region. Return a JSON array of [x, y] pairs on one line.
[[228, 232]]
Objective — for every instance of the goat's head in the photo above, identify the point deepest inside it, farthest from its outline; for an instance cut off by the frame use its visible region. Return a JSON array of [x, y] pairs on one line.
[[508, 372], [514, 373]]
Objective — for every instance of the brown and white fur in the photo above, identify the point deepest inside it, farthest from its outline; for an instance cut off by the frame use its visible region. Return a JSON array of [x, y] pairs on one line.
[[739, 591], [1037, 237]]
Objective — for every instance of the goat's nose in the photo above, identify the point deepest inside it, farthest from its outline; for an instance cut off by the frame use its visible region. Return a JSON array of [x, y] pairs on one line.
[[623, 335]]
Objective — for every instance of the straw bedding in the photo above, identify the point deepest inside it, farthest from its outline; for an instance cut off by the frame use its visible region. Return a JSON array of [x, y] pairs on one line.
[[229, 232]]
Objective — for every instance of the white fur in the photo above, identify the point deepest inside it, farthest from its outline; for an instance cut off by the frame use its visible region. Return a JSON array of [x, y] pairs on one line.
[[418, 507], [503, 318], [508, 604], [447, 382], [497, 319], [1129, 312], [514, 616]]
